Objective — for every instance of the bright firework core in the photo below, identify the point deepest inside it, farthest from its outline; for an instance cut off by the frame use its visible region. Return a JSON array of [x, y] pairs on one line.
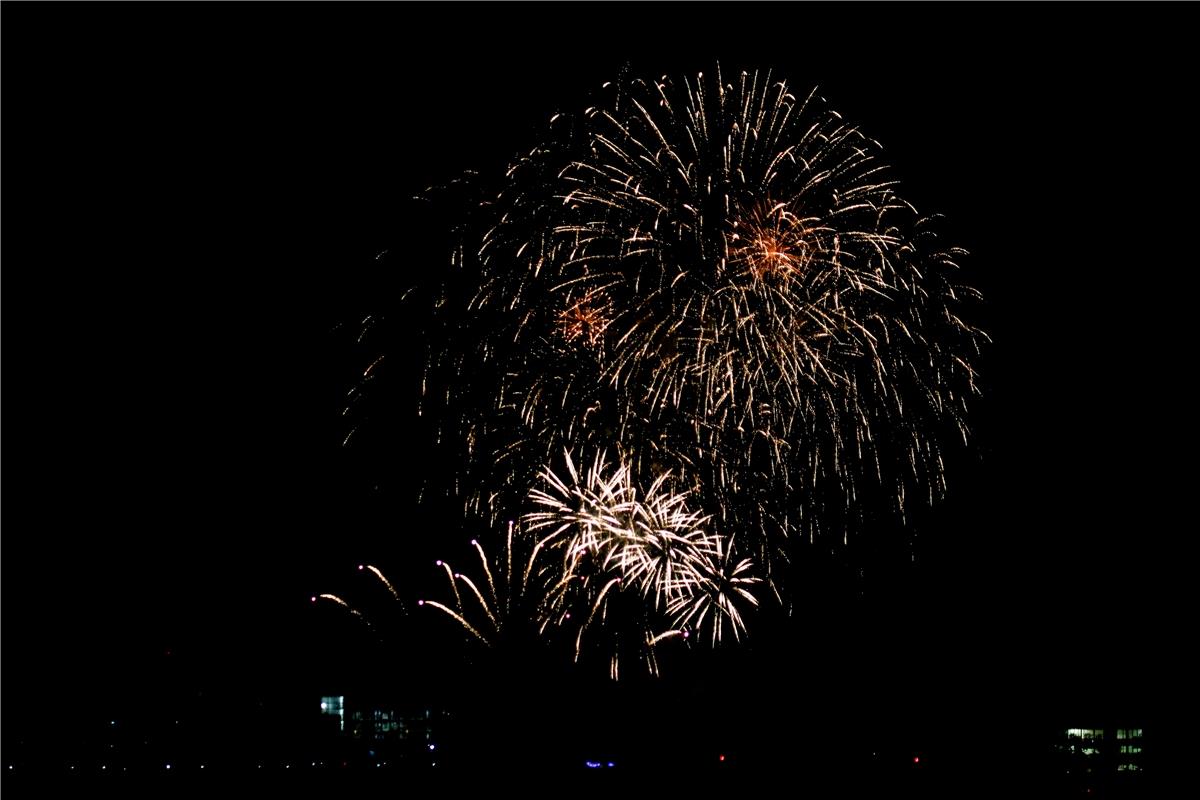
[[586, 319], [773, 246]]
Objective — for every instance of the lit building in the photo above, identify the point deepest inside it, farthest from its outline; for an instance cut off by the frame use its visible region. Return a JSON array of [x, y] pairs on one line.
[[1099, 754]]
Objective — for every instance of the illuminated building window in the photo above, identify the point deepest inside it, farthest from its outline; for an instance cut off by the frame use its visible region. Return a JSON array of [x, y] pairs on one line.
[[1129, 733], [335, 706], [1085, 734]]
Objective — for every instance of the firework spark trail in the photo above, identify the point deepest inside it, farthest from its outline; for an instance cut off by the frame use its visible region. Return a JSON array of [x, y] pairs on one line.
[[333, 598], [457, 617], [521, 595], [383, 579]]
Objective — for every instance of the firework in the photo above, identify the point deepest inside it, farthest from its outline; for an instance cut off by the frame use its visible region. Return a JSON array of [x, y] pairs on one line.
[[372, 617], [652, 541], [713, 602], [718, 280], [611, 569], [499, 601]]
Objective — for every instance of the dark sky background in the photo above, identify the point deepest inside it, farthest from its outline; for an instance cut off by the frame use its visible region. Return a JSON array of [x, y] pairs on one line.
[[193, 196]]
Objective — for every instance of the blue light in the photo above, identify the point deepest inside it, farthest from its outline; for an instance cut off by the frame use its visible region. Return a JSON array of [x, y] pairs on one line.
[[611, 764], [432, 747], [592, 764]]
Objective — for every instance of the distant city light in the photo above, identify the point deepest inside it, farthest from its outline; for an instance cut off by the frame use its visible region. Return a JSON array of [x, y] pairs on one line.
[[360, 566], [916, 759], [432, 747], [721, 757]]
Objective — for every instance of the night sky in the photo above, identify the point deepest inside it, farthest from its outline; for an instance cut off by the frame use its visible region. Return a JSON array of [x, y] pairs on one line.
[[194, 197]]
